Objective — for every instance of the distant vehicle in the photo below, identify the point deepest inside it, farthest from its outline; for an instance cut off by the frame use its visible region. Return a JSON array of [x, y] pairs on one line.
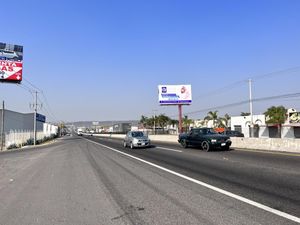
[[233, 133], [206, 138], [135, 139], [79, 132], [10, 55]]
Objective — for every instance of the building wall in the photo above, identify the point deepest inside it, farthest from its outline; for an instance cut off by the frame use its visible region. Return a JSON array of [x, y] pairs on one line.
[[245, 121], [19, 121]]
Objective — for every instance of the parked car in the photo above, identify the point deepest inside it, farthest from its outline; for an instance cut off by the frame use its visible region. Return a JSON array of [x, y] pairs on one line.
[[233, 133], [135, 139], [206, 138], [10, 55]]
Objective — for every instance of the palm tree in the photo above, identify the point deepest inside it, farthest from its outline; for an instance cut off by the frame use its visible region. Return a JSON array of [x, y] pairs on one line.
[[162, 120], [276, 115], [186, 122], [214, 117], [144, 120], [225, 121], [173, 122]]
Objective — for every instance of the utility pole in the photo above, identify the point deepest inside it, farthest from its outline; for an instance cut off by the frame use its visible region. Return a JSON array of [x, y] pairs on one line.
[[35, 106], [251, 108], [2, 127], [34, 120]]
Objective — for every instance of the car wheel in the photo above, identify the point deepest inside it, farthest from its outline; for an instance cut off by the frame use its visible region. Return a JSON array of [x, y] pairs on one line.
[[124, 144], [131, 145], [205, 146], [184, 143]]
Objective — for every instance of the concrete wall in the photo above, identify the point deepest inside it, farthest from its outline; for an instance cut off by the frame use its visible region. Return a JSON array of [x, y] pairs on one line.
[[19, 121], [287, 132], [263, 132], [272, 144]]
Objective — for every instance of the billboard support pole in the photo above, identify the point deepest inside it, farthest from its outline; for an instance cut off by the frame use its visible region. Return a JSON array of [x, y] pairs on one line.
[[180, 117]]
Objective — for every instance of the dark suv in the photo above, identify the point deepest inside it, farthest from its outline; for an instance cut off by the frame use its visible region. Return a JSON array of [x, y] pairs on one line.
[[233, 133], [206, 138]]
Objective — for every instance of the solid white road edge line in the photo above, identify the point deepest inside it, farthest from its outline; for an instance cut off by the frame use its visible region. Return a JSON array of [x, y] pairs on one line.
[[227, 193], [168, 149]]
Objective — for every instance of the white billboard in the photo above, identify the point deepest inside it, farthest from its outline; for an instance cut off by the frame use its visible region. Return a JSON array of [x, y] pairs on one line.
[[175, 94]]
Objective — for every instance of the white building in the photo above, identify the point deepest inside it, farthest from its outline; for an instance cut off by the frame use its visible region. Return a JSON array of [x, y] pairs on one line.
[[242, 124], [290, 129]]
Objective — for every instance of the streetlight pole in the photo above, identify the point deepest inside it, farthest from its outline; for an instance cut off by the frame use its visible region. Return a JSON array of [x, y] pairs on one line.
[[251, 108]]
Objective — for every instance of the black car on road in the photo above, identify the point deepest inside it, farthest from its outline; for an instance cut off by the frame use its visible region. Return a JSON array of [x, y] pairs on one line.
[[206, 138]]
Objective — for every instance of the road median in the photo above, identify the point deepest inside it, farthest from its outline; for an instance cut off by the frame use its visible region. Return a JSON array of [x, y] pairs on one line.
[[265, 144]]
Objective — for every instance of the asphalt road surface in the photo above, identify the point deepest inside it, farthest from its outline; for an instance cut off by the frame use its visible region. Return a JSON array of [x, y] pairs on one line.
[[90, 180]]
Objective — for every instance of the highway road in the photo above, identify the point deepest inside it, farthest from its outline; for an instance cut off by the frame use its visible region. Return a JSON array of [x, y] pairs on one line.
[[92, 180]]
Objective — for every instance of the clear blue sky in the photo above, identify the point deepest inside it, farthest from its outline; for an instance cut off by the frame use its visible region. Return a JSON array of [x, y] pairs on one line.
[[102, 60]]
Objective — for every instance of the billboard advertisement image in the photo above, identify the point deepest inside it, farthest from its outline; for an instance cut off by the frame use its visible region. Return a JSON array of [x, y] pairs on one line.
[[11, 63], [294, 117], [175, 94]]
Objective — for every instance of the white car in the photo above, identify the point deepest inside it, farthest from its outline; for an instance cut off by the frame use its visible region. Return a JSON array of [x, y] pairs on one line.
[[10, 55], [136, 139]]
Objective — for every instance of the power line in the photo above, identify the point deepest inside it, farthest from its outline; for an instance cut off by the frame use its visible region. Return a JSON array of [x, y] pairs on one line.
[[230, 86], [32, 85], [49, 111], [276, 73], [291, 95], [222, 89], [48, 105]]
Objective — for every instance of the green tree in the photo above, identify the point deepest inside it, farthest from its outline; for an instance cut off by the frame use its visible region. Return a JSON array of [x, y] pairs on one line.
[[162, 120], [186, 122], [276, 115], [214, 117], [173, 122], [224, 121], [144, 121]]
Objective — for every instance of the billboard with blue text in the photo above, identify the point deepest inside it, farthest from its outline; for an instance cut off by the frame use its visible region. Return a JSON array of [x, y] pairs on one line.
[[175, 94]]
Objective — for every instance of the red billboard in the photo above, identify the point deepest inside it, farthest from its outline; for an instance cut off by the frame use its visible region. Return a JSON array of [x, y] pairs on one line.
[[11, 63]]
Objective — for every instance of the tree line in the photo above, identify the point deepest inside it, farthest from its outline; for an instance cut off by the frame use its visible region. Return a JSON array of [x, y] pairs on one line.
[[274, 115]]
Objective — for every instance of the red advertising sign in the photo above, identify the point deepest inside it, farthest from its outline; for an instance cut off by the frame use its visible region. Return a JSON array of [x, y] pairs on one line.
[[11, 63], [11, 71]]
